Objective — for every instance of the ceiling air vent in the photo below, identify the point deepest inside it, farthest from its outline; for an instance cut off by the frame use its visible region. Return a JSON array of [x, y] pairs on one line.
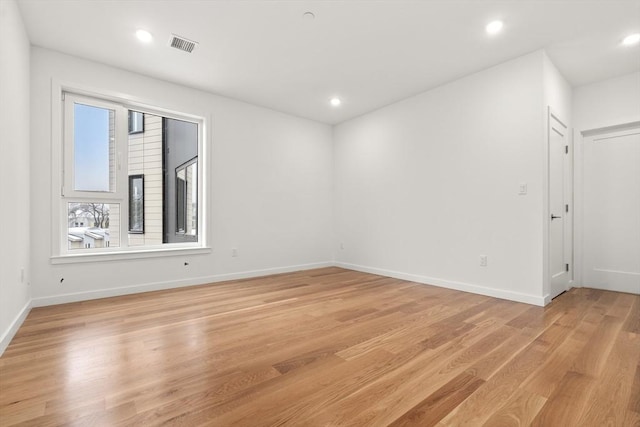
[[182, 43]]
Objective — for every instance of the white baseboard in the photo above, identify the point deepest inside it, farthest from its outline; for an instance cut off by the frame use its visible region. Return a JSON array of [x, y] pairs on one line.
[[459, 286], [13, 328], [170, 284]]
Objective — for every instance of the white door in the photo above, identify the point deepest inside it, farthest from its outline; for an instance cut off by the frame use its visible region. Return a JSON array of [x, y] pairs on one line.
[[611, 211], [560, 191]]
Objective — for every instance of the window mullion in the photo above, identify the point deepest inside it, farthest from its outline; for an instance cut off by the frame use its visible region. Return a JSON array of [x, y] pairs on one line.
[[122, 171]]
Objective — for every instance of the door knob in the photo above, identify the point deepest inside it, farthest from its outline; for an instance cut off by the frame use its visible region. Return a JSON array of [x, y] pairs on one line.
[[555, 217]]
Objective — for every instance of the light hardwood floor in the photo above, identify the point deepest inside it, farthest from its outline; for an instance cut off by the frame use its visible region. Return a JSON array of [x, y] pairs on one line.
[[326, 347]]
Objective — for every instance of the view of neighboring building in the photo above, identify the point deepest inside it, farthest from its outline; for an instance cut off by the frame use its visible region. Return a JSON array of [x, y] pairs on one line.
[[90, 225], [79, 218], [87, 238], [145, 158]]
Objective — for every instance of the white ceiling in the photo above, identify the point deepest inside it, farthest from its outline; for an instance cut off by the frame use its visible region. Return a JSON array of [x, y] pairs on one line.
[[369, 53]]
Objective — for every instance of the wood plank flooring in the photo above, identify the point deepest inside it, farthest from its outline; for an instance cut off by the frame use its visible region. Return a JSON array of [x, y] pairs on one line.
[[326, 347]]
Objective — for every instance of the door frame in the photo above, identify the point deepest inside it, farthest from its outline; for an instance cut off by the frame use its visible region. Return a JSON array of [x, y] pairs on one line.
[[580, 136], [569, 199]]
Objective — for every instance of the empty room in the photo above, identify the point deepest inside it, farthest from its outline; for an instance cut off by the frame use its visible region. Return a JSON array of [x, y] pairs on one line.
[[320, 213]]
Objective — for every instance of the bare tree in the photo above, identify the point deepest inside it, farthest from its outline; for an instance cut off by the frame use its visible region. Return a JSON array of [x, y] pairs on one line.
[[98, 211]]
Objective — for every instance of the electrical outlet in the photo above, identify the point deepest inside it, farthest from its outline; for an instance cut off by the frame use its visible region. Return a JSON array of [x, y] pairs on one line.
[[234, 252], [483, 260]]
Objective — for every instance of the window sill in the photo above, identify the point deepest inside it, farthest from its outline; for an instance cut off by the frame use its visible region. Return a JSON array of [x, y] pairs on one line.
[[127, 255]]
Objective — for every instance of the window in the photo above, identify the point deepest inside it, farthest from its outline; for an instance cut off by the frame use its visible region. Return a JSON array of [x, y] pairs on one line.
[[136, 204], [136, 122], [186, 198], [130, 178]]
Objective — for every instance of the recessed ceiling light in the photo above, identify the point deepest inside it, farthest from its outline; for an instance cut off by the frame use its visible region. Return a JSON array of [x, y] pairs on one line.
[[335, 101], [309, 16], [144, 36], [631, 39], [494, 27]]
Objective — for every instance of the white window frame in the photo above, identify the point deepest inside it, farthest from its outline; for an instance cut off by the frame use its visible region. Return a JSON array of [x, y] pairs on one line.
[[63, 179]]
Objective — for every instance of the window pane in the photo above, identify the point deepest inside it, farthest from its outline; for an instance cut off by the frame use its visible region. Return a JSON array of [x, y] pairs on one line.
[[136, 204], [181, 200], [93, 225], [187, 199], [180, 142], [94, 148]]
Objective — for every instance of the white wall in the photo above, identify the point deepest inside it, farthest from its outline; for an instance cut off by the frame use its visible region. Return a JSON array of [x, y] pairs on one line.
[[425, 186], [14, 171], [557, 92], [608, 103], [270, 188]]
